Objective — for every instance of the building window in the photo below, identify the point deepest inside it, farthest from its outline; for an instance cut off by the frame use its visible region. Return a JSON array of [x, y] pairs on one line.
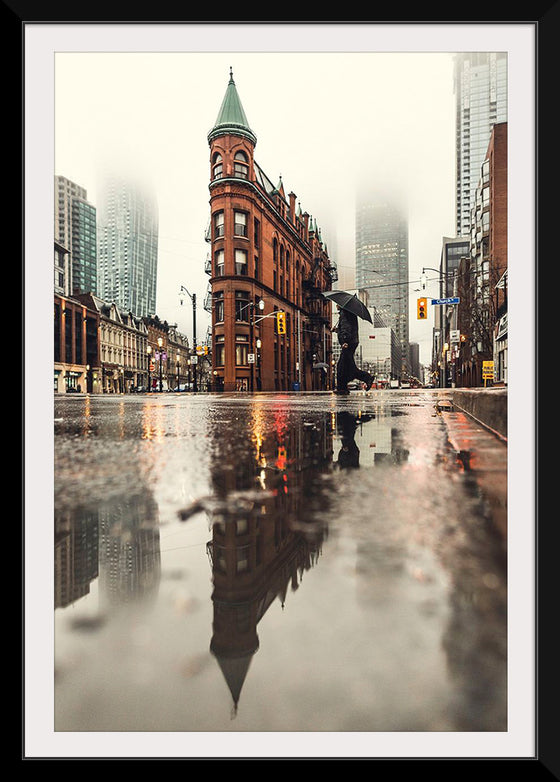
[[241, 262], [217, 166], [240, 224], [240, 167], [219, 257], [242, 308], [242, 555], [220, 350], [241, 350], [218, 225], [219, 306]]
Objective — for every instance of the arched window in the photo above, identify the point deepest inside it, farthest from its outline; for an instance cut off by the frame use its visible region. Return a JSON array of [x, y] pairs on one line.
[[217, 166], [240, 165]]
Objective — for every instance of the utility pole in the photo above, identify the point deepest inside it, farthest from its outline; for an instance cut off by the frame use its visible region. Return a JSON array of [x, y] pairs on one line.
[[192, 297]]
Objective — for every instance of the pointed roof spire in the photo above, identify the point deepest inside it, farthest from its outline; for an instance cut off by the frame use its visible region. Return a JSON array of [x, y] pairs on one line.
[[280, 187], [231, 117]]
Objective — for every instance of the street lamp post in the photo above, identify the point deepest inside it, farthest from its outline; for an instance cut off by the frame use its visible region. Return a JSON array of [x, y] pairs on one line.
[[160, 345], [192, 297], [178, 372], [252, 337], [259, 379], [149, 351]]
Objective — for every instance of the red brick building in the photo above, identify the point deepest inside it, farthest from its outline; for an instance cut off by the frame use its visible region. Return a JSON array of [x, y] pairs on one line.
[[267, 257], [482, 277], [77, 366]]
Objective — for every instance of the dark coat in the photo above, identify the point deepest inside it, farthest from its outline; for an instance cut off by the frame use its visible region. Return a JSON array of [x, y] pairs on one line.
[[347, 328]]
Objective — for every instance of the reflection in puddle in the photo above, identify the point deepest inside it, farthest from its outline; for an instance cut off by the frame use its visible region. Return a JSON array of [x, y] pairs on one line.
[[270, 535], [267, 509], [259, 486]]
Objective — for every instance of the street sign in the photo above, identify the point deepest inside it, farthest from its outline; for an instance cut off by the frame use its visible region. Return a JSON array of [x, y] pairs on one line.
[[487, 370], [455, 335], [194, 359], [451, 300], [251, 358]]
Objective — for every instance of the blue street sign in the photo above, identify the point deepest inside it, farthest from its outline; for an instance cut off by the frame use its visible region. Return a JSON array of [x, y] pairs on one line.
[[453, 300]]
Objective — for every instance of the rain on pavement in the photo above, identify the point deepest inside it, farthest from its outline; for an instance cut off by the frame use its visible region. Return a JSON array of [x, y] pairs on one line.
[[273, 562]]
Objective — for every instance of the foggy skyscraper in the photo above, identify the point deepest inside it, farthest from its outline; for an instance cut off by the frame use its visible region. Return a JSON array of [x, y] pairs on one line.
[[127, 245], [382, 259]]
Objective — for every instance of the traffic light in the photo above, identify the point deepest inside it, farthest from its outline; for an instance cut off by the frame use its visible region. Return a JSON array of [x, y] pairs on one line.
[[421, 308], [281, 322]]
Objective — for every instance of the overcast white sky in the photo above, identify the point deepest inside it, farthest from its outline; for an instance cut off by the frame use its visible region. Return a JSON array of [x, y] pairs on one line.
[[323, 119], [320, 120]]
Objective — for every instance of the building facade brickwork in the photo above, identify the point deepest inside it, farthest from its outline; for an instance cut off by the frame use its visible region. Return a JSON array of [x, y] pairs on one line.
[[267, 257]]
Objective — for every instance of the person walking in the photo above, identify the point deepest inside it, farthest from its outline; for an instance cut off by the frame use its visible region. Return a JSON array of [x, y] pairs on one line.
[[346, 369]]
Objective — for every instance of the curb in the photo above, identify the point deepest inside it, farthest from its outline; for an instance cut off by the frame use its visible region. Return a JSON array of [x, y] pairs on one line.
[[486, 407]]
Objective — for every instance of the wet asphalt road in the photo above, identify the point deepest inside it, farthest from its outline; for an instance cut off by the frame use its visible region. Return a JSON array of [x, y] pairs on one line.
[[273, 563]]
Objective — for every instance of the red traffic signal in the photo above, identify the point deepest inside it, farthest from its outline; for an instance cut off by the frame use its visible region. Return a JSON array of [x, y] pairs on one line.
[[421, 308]]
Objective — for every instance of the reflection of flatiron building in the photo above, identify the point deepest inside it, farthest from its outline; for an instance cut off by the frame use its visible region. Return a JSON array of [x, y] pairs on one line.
[[266, 539]]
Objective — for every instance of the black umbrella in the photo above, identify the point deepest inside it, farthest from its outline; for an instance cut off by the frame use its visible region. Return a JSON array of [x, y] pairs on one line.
[[350, 302]]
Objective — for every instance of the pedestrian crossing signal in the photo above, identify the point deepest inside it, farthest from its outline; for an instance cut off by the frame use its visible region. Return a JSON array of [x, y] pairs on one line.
[[421, 308], [281, 322]]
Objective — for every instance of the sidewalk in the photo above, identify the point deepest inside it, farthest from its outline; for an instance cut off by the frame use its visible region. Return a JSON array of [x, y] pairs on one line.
[[477, 431], [487, 406]]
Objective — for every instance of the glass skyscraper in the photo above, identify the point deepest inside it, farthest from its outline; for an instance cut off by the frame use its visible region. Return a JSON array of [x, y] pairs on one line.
[[480, 85], [382, 260], [75, 222], [127, 245]]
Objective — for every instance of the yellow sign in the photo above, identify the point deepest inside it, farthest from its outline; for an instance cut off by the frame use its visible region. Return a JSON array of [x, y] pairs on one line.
[[487, 370]]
